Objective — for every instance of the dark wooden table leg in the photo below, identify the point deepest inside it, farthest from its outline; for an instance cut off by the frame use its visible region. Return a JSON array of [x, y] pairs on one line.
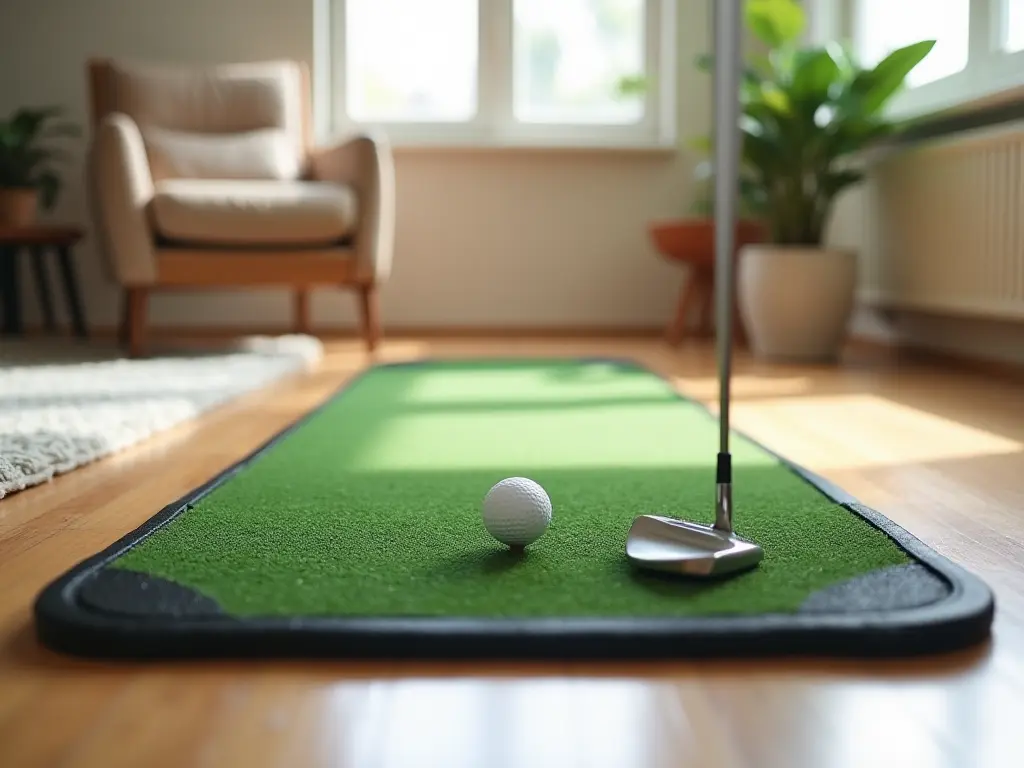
[[706, 325], [689, 295], [67, 272], [43, 288], [9, 289]]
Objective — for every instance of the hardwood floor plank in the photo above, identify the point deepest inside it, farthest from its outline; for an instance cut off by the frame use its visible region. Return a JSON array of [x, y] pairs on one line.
[[941, 453]]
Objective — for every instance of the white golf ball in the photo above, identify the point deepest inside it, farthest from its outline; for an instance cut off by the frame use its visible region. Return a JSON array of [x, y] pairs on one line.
[[517, 511]]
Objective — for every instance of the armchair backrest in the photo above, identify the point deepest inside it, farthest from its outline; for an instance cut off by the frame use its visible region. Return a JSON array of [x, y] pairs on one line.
[[246, 120]]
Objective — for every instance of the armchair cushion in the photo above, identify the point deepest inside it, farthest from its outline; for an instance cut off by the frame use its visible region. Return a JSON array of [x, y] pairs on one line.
[[267, 153], [244, 212]]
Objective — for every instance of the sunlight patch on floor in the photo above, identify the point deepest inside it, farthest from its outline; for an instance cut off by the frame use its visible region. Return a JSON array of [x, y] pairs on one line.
[[706, 388], [874, 432]]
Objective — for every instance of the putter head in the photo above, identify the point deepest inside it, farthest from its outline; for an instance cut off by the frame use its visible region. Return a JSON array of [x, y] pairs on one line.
[[690, 549]]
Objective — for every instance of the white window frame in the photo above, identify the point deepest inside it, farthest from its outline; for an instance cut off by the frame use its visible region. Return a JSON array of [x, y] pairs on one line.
[[494, 124], [991, 71]]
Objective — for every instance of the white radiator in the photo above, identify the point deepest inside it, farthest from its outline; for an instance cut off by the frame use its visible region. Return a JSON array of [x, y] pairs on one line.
[[943, 226]]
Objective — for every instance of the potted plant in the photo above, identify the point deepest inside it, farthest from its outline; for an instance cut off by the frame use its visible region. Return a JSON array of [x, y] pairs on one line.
[[806, 114], [28, 180]]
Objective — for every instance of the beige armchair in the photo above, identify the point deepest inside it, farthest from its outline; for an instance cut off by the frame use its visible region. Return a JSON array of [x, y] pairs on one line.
[[207, 178]]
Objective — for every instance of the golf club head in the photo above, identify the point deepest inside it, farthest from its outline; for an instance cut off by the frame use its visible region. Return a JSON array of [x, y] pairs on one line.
[[689, 549]]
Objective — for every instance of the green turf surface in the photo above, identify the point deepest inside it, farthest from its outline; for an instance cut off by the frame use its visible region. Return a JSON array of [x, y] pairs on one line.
[[372, 507]]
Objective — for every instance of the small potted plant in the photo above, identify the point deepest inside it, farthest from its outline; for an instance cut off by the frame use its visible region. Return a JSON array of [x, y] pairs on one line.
[[807, 112], [28, 180]]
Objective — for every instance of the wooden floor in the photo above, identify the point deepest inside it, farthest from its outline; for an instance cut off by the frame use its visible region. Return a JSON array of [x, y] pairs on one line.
[[940, 453]]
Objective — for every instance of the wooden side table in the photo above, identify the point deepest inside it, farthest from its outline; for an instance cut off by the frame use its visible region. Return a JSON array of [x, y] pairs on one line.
[[36, 240]]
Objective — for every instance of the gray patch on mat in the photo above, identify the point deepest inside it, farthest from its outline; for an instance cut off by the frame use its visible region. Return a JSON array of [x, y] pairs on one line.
[[130, 593], [888, 589]]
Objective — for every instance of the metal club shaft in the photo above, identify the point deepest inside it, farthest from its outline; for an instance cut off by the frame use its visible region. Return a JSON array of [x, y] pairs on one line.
[[728, 61]]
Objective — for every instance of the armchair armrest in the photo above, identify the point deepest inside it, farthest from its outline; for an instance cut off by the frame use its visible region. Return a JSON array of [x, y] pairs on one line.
[[121, 188], [365, 163]]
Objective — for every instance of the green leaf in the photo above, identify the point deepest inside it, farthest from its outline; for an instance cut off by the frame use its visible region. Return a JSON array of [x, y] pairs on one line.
[[48, 184], [761, 152], [831, 184], [60, 130], [781, 61], [764, 115], [775, 22], [761, 65], [853, 134], [754, 197], [27, 123], [814, 74], [874, 87], [750, 76], [776, 99], [843, 55], [701, 144]]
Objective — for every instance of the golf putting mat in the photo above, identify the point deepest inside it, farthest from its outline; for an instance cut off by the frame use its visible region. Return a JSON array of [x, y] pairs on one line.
[[358, 532]]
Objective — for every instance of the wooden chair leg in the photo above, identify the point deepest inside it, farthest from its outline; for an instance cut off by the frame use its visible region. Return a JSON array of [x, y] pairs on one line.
[[302, 322], [133, 327], [369, 313], [122, 325]]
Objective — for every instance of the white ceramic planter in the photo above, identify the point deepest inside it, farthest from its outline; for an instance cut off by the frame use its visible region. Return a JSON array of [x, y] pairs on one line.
[[795, 301]]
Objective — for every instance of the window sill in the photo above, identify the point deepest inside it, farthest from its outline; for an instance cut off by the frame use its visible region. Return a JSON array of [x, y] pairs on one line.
[[406, 141], [994, 96], [988, 109], [986, 94], [534, 146]]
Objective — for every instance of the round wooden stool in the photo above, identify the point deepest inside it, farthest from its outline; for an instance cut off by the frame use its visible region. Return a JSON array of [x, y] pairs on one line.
[[36, 241]]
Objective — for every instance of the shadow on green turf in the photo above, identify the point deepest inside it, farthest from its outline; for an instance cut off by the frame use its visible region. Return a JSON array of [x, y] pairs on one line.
[[487, 562]]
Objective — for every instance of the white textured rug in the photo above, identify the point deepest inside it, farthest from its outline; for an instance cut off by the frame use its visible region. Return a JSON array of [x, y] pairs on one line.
[[64, 405]]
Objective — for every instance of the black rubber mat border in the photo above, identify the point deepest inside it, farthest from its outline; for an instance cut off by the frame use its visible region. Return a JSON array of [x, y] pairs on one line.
[[960, 620]]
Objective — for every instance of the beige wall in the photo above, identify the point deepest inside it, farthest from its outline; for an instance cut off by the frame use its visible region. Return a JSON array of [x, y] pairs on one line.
[[496, 238]]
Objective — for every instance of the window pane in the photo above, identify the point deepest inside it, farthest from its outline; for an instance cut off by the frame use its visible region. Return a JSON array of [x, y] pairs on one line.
[[411, 60], [884, 25], [1013, 29], [570, 56]]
